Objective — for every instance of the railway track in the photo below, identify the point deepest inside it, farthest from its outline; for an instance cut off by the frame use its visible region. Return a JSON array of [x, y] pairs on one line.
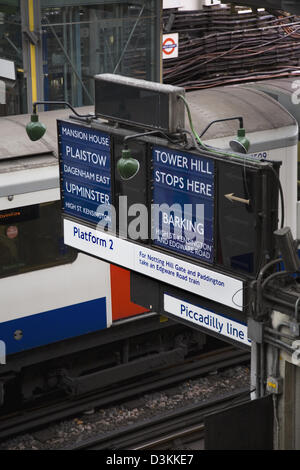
[[41, 416], [191, 438], [183, 428]]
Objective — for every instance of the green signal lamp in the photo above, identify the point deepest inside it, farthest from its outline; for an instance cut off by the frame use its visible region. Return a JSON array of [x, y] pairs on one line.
[[241, 144], [127, 166], [35, 129]]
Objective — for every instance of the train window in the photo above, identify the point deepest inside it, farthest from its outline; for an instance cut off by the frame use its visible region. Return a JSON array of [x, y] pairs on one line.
[[31, 237]]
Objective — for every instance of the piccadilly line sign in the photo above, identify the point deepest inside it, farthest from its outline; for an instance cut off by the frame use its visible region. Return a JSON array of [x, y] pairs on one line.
[[207, 319]]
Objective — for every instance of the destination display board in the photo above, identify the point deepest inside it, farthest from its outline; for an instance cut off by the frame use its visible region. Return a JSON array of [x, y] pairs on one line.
[[184, 183], [188, 218], [85, 167]]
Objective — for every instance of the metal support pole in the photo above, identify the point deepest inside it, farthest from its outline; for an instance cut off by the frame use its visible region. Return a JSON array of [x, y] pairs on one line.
[[69, 60], [32, 50], [254, 385], [129, 38]]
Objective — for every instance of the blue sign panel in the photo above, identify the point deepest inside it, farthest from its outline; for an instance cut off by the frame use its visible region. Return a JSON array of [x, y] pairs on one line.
[[85, 171], [183, 203]]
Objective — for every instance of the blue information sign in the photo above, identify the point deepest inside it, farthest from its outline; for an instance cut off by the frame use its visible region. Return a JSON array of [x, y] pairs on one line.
[[85, 171], [183, 203]]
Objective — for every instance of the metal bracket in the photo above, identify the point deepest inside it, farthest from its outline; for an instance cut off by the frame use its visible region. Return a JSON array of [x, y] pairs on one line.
[[2, 393], [3, 381], [170, 22], [295, 328], [32, 36], [75, 386], [275, 385], [255, 330]]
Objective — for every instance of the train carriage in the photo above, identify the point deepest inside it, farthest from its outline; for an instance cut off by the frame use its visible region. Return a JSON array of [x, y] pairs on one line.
[[57, 303]]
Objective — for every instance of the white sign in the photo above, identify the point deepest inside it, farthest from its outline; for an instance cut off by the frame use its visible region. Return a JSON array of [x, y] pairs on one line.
[[191, 277], [7, 69], [2, 92], [2, 352], [170, 45], [209, 320], [172, 3]]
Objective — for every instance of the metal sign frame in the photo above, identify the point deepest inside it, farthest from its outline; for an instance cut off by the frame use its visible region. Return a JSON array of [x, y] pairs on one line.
[[213, 275]]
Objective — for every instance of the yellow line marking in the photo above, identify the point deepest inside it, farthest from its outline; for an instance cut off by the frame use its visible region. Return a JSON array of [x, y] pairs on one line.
[[32, 53]]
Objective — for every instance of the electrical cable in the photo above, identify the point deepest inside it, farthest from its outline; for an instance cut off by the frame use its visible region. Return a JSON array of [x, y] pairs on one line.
[[279, 344], [285, 303], [213, 55], [191, 135], [208, 148], [281, 197], [145, 134], [64, 103], [278, 333], [259, 282], [272, 276]]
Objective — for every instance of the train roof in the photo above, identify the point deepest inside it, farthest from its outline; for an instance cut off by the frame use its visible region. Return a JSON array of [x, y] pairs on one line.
[[285, 91], [284, 84], [14, 141], [261, 114], [28, 167], [260, 111]]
